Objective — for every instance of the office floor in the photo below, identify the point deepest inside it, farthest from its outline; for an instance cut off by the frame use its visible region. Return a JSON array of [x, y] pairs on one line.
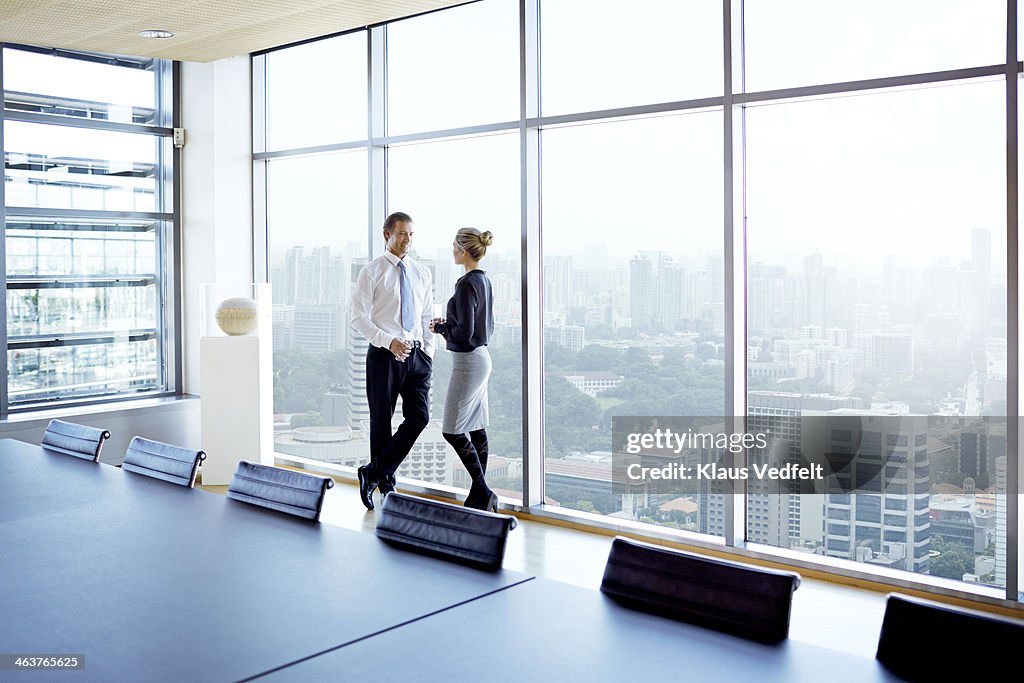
[[825, 614]]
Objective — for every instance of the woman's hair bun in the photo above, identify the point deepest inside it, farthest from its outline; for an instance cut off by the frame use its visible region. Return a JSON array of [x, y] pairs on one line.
[[486, 238]]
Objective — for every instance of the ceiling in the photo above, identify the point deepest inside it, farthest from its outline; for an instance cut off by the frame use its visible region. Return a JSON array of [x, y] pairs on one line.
[[206, 30]]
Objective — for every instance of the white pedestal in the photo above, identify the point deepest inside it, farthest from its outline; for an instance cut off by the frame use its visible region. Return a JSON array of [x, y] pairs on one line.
[[237, 390]]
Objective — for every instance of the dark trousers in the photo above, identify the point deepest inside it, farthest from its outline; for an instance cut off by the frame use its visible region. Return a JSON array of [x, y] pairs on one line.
[[386, 380]]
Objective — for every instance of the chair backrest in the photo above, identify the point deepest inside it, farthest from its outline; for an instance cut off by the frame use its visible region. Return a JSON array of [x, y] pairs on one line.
[[911, 626], [452, 531], [296, 493], [163, 461], [741, 599], [75, 439]]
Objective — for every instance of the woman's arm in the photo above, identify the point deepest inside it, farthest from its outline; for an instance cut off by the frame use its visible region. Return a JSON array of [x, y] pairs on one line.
[[459, 328]]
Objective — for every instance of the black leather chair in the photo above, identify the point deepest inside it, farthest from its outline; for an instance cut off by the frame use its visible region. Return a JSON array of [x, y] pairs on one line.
[[75, 439], [163, 461], [737, 598], [450, 531], [912, 628], [295, 493]]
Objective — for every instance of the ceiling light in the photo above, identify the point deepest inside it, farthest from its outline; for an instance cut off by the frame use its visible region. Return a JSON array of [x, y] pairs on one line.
[[155, 33]]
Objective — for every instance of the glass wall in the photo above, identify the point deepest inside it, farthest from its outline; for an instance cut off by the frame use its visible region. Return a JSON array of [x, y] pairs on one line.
[[857, 168], [633, 299], [88, 219]]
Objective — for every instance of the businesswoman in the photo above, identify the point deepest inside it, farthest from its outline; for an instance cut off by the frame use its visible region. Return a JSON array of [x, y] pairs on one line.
[[467, 327]]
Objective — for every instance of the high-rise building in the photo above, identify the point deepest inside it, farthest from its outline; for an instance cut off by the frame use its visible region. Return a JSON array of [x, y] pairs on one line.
[[878, 512], [318, 328], [1002, 494], [641, 293], [558, 274]]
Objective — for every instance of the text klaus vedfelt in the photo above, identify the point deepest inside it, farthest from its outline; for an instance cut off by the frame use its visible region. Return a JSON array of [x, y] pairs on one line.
[[668, 439]]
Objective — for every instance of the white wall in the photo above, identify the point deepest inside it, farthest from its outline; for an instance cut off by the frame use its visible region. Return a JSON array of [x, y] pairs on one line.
[[216, 220]]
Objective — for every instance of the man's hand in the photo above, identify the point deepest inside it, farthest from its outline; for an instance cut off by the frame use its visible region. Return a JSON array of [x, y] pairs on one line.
[[400, 349]]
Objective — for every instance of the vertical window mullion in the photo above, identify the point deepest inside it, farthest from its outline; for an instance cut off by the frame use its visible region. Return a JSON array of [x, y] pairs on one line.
[[376, 130], [531, 260], [734, 258], [4, 401], [1013, 465]]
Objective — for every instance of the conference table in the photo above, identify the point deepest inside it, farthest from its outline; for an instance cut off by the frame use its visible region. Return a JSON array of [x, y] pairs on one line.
[[150, 581]]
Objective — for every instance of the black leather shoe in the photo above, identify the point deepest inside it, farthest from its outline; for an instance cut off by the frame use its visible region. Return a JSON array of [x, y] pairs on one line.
[[386, 486], [492, 503], [366, 487]]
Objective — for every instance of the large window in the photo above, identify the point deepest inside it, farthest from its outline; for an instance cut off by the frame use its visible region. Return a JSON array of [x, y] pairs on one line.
[[88, 220], [453, 69], [818, 251], [446, 185], [633, 300], [316, 210], [877, 286]]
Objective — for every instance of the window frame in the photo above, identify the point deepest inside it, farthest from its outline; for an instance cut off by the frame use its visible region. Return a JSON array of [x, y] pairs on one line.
[[733, 103], [158, 124]]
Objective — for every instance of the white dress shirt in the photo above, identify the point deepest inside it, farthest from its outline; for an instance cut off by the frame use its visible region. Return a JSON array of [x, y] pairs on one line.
[[377, 302]]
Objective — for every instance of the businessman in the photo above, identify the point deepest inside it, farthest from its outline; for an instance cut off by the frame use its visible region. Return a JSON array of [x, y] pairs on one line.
[[392, 307]]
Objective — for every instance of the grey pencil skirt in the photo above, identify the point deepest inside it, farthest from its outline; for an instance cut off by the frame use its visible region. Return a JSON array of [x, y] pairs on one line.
[[465, 406]]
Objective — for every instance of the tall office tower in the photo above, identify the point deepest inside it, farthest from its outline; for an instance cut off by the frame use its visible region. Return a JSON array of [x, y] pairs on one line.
[[973, 456], [790, 519], [668, 286], [815, 290], [292, 268], [716, 273], [283, 322], [318, 328], [356, 346], [312, 281], [776, 518], [557, 282], [697, 296], [980, 444], [780, 519], [841, 370], [1001, 497], [358, 406], [884, 518], [758, 313], [641, 293], [892, 353], [277, 277], [336, 288], [767, 298]]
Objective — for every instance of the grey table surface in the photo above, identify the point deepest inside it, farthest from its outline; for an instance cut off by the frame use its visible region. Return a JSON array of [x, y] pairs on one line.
[[546, 630], [153, 581]]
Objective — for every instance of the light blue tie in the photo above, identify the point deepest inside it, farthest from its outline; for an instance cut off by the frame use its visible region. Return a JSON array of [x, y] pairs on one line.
[[408, 316]]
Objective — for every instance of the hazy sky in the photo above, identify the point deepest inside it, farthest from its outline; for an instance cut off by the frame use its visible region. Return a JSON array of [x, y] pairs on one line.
[[856, 178]]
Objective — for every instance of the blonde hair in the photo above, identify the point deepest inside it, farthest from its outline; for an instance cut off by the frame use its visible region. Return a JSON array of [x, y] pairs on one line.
[[474, 242]]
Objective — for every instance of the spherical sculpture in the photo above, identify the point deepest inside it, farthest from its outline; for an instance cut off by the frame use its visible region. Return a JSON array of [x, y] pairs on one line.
[[237, 315]]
